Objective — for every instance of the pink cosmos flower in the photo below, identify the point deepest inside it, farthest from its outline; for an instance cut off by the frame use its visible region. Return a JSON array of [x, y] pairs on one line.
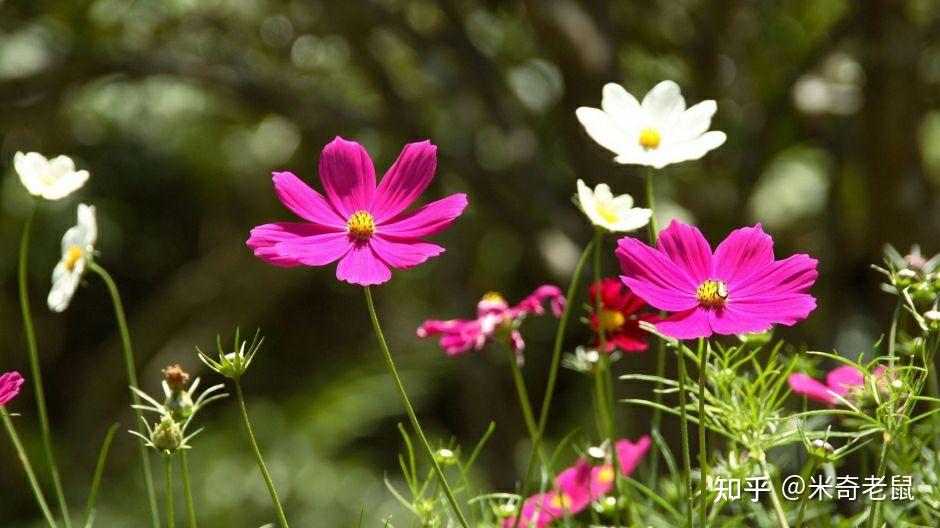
[[10, 384], [840, 381], [494, 316], [576, 487], [363, 226], [619, 317], [737, 289]]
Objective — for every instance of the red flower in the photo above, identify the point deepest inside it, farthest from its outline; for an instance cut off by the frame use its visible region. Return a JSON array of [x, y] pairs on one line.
[[619, 318]]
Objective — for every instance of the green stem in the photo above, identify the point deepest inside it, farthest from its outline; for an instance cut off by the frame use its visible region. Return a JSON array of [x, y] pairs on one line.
[[874, 509], [702, 451], [774, 499], [130, 367], [892, 334], [170, 517], [24, 459], [187, 488], [521, 392], [268, 482], [660, 344], [805, 496], [99, 471], [34, 366], [553, 369], [410, 410], [684, 427]]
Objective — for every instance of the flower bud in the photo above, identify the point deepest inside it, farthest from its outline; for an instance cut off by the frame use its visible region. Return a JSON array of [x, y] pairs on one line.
[[445, 457], [597, 454], [167, 436], [506, 509], [178, 400]]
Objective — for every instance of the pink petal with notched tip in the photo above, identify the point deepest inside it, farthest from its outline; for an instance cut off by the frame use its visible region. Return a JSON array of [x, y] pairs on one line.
[[782, 309], [687, 248], [348, 176], [403, 254], [362, 266], [806, 386], [655, 278], [408, 177], [630, 454], [264, 239], [305, 202], [688, 324], [316, 250], [792, 275], [426, 220], [742, 253], [731, 320], [844, 378]]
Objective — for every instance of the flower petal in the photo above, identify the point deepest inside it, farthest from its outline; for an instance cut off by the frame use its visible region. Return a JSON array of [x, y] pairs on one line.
[[630, 454], [617, 102], [685, 245], [362, 266], [745, 251], [405, 180], [842, 379], [264, 238], [603, 129], [782, 309], [655, 278], [730, 320], [688, 324], [348, 176], [403, 253], [664, 104], [792, 275], [689, 150], [426, 220], [304, 201], [806, 386], [315, 250], [694, 122]]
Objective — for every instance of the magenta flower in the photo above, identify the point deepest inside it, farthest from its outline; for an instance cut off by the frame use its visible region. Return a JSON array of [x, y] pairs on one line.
[[363, 226], [839, 382], [576, 487], [495, 318], [738, 289], [10, 384]]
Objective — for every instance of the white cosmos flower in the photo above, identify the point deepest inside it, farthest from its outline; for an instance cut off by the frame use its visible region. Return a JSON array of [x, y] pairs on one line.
[[78, 246], [657, 132], [50, 179], [613, 213]]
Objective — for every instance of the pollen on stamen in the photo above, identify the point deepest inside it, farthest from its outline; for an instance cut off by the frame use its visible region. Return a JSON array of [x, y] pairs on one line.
[[712, 293], [649, 138], [72, 255], [361, 224]]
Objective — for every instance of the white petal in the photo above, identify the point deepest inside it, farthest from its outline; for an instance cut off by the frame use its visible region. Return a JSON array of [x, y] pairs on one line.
[[89, 222], [695, 149], [693, 123], [64, 285], [663, 104], [620, 105], [30, 167], [624, 202], [633, 220], [602, 129], [602, 193], [588, 203], [68, 183]]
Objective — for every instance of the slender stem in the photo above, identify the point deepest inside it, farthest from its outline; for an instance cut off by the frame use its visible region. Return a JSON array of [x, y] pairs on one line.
[[410, 410], [34, 366], [130, 367], [170, 517], [660, 344], [805, 496], [187, 488], [702, 431], [521, 392], [99, 471], [874, 509], [684, 427], [892, 334], [24, 459], [282, 519], [553, 369], [774, 499]]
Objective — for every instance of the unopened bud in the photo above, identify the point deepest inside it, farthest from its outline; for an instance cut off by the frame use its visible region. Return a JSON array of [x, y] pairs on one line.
[[178, 400], [598, 454], [176, 377], [932, 316], [167, 436], [506, 509], [825, 446], [445, 456]]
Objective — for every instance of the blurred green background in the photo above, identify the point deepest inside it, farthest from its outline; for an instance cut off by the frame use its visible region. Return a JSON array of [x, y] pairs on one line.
[[182, 108]]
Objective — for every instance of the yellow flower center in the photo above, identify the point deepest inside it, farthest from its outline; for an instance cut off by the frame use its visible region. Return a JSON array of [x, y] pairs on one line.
[[712, 293], [649, 138], [605, 475], [610, 320], [560, 500], [607, 212], [493, 298], [72, 255], [361, 224]]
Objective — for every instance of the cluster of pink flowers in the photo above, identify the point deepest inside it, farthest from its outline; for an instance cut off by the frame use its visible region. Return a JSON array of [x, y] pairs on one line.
[[10, 384], [577, 487], [494, 316], [840, 382]]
